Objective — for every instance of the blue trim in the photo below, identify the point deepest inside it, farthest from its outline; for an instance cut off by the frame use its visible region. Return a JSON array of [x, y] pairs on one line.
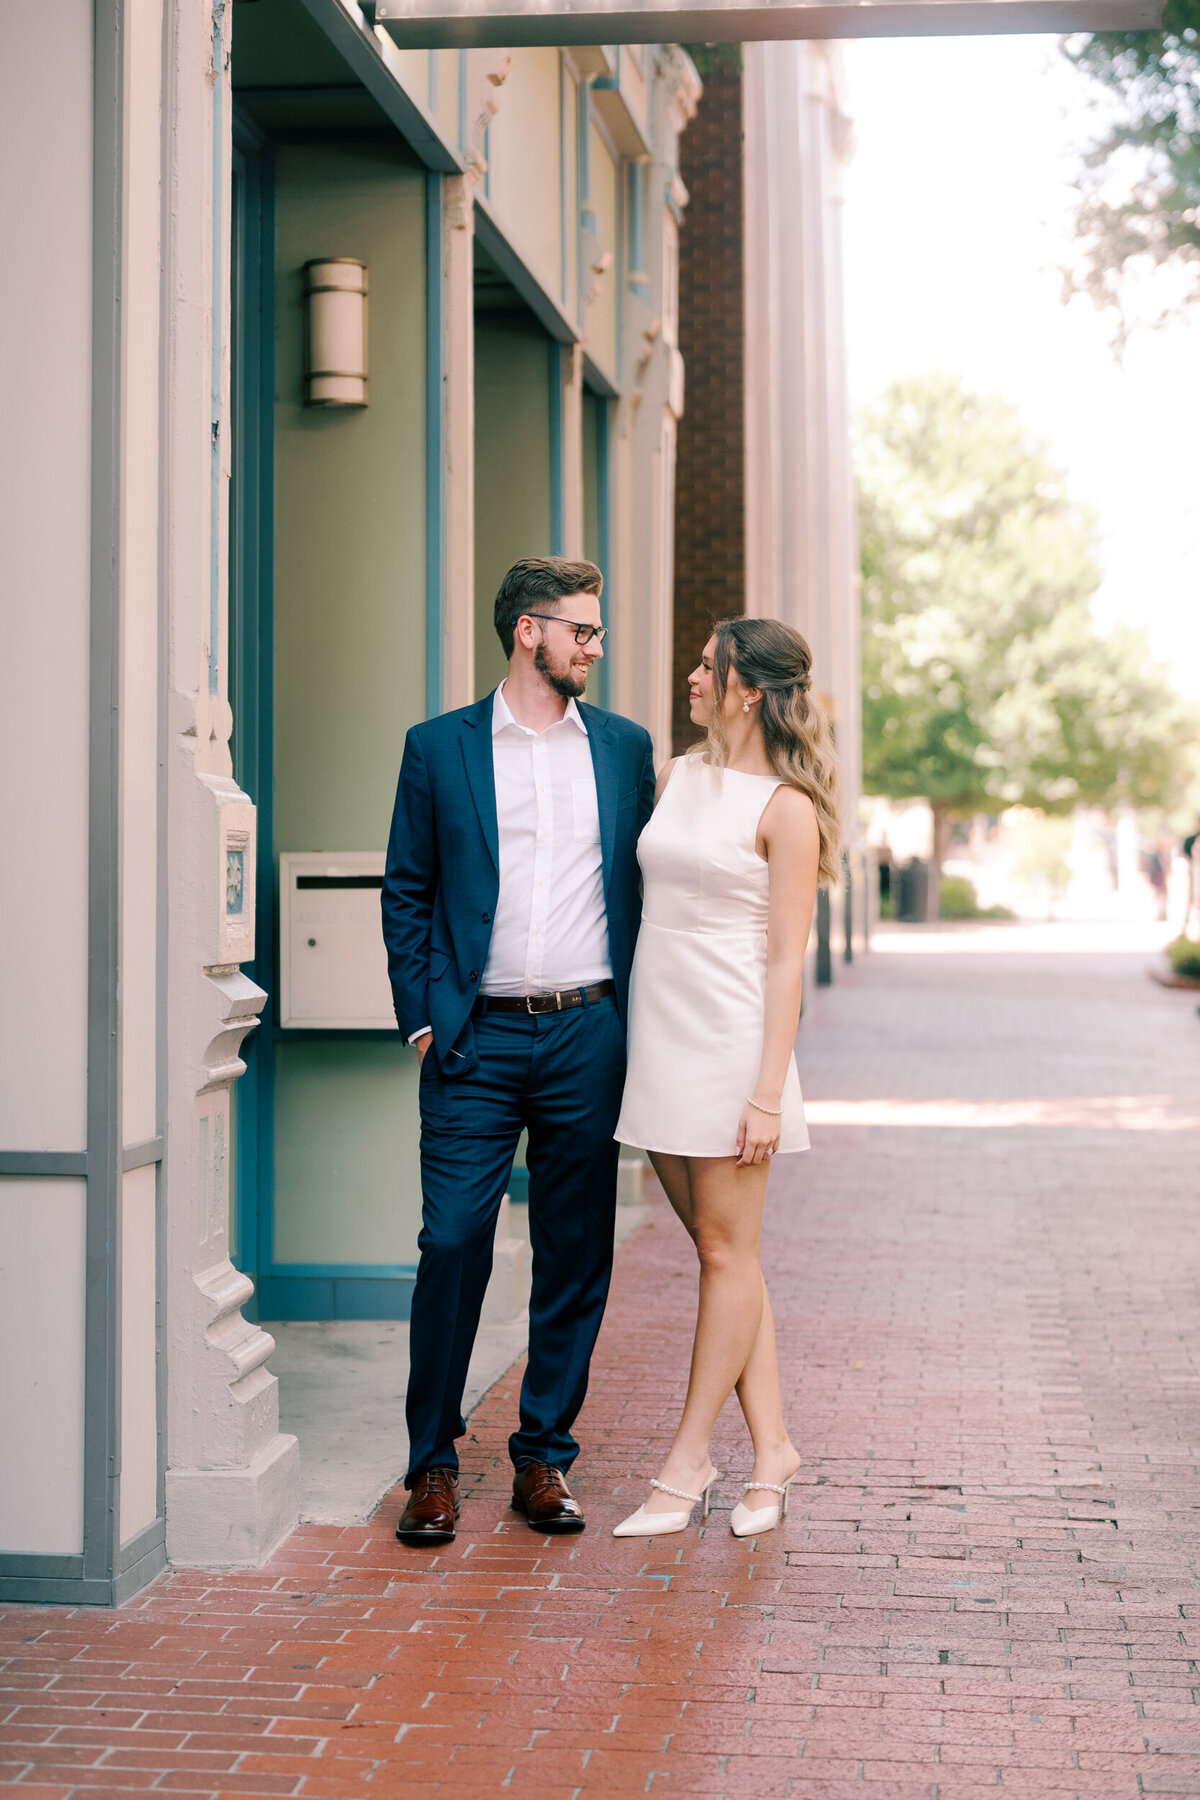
[[587, 218], [336, 1295], [635, 185], [620, 269], [435, 457], [343, 1272], [558, 506], [604, 523], [252, 690], [597, 412]]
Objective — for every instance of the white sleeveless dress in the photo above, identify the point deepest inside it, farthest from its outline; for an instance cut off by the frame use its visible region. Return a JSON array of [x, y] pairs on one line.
[[698, 987]]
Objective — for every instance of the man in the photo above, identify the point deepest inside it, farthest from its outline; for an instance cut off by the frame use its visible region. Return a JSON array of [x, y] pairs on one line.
[[510, 908]]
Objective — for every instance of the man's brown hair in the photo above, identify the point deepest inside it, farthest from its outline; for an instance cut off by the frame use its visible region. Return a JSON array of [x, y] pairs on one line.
[[537, 584]]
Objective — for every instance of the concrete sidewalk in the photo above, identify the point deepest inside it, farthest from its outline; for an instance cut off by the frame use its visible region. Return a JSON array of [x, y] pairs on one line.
[[989, 1317]]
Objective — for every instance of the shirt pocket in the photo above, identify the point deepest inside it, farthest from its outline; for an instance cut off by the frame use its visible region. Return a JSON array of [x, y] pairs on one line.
[[585, 810]]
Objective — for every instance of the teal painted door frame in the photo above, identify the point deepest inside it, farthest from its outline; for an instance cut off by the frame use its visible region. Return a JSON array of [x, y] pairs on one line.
[[293, 1290]]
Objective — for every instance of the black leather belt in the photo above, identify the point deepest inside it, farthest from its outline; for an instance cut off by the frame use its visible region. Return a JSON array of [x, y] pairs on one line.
[[562, 1001]]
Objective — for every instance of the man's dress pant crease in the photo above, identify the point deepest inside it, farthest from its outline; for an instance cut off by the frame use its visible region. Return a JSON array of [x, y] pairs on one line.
[[558, 1075]]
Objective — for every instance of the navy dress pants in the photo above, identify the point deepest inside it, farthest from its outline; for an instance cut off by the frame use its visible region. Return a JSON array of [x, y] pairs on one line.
[[560, 1076]]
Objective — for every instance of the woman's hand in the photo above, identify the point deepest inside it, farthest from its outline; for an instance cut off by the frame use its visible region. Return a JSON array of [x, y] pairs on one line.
[[758, 1136]]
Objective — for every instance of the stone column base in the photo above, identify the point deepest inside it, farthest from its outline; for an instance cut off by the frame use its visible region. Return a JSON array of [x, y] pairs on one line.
[[233, 1518]]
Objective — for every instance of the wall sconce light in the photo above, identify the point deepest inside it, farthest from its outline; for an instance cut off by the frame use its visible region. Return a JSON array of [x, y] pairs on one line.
[[335, 366]]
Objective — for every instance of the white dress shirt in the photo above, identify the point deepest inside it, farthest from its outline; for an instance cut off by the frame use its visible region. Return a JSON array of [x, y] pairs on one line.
[[551, 928]]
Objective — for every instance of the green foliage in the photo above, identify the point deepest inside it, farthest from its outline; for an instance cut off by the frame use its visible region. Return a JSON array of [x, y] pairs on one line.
[[1183, 954], [1139, 205], [958, 900], [985, 683], [715, 59]]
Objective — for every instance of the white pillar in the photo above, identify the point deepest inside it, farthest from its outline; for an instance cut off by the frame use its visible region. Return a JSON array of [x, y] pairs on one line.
[[458, 439], [232, 1477]]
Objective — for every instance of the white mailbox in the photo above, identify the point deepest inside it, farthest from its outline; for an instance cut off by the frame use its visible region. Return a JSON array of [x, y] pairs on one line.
[[332, 963]]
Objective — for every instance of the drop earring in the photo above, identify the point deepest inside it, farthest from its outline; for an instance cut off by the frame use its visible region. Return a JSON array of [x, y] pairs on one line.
[[745, 706]]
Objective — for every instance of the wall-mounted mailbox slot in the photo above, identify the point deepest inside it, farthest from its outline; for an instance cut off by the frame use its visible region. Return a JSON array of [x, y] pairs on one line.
[[332, 963]]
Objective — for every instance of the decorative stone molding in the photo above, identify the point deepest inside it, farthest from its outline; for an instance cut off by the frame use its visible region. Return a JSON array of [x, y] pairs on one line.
[[682, 85], [232, 1478]]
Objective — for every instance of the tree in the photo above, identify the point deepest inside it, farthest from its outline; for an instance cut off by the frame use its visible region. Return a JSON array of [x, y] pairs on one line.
[[985, 682], [1139, 206]]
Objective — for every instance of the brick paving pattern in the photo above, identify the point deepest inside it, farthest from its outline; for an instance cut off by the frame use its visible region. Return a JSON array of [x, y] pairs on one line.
[[987, 1583]]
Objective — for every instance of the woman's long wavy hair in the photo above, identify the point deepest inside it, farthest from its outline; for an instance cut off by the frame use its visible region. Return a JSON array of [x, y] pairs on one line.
[[770, 656]]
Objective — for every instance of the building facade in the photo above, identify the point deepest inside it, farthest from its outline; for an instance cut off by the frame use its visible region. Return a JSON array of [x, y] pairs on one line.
[[765, 500], [225, 608], [765, 516], [225, 605]]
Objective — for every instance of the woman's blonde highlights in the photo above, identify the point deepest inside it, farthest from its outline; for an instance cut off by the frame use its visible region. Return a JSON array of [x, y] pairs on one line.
[[797, 734]]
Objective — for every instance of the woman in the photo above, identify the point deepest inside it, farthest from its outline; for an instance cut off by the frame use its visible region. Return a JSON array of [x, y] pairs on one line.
[[741, 834]]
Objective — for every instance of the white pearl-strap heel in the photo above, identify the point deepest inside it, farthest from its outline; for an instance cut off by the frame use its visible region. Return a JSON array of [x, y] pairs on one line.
[[661, 1524], [745, 1521]]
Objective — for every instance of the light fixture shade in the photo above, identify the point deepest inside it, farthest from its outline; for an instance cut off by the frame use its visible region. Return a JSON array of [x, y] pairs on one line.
[[335, 369]]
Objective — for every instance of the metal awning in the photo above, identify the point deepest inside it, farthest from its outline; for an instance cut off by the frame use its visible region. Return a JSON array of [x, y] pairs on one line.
[[448, 23]]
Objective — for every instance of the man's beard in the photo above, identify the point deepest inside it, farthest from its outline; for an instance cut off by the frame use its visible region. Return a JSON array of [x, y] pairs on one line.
[[568, 686]]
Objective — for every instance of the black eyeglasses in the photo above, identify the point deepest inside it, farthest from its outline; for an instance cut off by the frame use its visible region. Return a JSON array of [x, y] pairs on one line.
[[583, 633]]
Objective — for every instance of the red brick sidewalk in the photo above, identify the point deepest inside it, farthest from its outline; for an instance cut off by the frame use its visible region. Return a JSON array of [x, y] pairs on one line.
[[987, 1583]]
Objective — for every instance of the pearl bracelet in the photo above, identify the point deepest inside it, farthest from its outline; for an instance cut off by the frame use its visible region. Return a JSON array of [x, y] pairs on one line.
[[776, 1112]]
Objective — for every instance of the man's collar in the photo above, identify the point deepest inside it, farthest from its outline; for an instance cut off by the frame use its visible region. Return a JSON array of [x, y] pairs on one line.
[[502, 715]]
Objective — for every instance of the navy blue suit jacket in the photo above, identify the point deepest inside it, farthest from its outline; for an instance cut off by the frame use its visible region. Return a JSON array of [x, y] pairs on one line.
[[443, 866]]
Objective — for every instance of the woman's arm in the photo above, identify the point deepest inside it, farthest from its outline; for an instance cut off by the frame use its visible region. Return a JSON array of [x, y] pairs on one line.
[[664, 775], [788, 834]]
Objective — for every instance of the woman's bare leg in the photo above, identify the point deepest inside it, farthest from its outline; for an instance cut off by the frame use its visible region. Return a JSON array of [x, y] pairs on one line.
[[726, 1218], [672, 1172], [775, 1456]]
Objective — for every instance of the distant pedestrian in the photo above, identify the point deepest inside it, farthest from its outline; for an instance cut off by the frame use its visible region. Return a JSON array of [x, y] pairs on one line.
[[1154, 868], [742, 832]]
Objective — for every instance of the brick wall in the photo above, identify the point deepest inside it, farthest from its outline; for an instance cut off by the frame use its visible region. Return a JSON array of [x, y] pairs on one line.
[[710, 544]]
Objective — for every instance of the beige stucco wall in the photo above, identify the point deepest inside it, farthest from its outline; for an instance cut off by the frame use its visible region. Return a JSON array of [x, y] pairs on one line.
[[602, 282], [45, 507], [525, 153], [41, 1353]]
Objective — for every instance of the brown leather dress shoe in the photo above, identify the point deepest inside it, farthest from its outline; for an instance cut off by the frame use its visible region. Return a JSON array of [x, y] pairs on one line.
[[541, 1493], [432, 1510]]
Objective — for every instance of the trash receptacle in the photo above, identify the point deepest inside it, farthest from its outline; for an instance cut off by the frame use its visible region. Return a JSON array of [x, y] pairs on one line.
[[913, 895]]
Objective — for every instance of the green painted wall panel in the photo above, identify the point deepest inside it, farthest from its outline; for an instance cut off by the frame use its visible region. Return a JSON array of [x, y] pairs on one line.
[[345, 1160], [350, 507], [512, 467], [349, 670]]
